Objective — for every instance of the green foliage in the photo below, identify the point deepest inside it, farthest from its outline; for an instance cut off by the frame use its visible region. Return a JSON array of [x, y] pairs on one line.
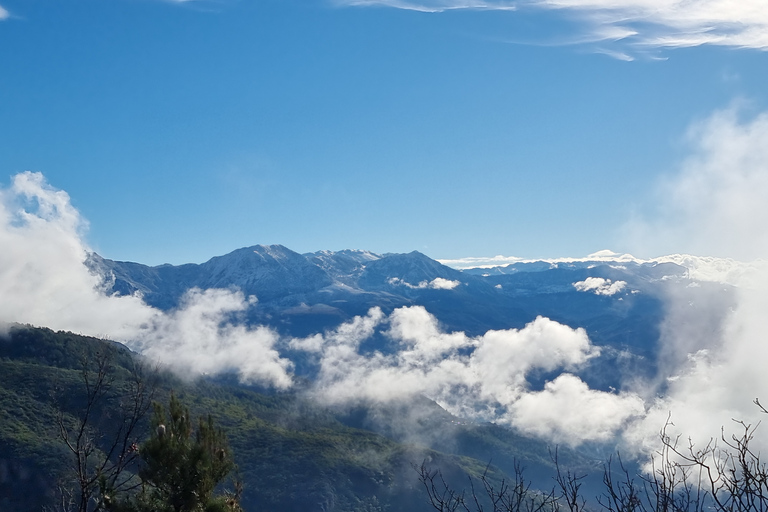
[[181, 468]]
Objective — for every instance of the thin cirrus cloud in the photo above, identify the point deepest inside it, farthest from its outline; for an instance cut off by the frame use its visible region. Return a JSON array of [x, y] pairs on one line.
[[642, 23], [4, 14], [432, 5]]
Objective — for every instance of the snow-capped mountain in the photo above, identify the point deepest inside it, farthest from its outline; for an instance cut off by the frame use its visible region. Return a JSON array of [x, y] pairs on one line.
[[617, 298]]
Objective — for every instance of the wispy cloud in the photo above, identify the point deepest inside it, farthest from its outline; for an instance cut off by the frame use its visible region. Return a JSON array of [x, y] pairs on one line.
[[432, 5], [4, 14], [643, 23], [715, 204]]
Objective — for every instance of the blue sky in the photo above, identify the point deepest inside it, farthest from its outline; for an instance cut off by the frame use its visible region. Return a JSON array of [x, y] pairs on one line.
[[184, 130]]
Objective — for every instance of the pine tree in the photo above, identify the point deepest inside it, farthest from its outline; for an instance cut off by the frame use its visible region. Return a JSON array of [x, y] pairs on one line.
[[181, 467]]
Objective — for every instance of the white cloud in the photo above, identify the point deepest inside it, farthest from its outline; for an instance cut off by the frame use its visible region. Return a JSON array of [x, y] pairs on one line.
[[42, 277], [712, 368], [567, 411], [200, 337], [600, 286], [43, 281], [482, 377], [644, 23], [716, 204], [433, 5], [438, 283], [4, 14], [480, 262]]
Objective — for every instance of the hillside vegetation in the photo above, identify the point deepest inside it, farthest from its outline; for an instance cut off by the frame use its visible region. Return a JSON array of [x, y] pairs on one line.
[[291, 454]]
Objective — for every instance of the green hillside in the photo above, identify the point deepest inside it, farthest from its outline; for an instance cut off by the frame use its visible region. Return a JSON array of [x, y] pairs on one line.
[[291, 454]]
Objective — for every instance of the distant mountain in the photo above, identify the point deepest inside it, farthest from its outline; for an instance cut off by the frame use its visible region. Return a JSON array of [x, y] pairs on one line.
[[270, 272], [618, 299], [343, 266]]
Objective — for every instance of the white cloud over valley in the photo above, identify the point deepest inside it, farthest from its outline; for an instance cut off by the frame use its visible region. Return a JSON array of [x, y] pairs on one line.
[[600, 286], [200, 337], [483, 377], [438, 283]]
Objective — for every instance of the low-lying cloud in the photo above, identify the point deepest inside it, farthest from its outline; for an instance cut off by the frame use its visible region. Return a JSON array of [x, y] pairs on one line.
[[202, 337], [482, 377], [438, 283], [43, 281], [600, 286]]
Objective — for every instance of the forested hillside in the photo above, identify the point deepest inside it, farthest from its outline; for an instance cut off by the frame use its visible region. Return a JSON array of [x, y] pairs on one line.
[[291, 454]]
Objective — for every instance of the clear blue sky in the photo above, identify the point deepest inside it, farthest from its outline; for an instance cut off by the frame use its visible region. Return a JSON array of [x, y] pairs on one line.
[[184, 130]]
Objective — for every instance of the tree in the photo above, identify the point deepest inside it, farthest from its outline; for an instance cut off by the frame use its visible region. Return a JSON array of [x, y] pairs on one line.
[[514, 495], [724, 475], [103, 438], [180, 468]]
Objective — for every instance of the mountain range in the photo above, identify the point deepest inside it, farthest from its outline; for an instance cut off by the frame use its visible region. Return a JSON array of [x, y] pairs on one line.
[[618, 300]]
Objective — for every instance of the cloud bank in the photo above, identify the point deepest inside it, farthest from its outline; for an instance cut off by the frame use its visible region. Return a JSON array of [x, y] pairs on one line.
[[642, 23], [482, 377]]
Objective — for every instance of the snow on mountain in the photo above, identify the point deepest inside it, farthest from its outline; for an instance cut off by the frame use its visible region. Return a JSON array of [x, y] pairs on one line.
[[412, 268], [699, 268], [266, 271], [343, 266]]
